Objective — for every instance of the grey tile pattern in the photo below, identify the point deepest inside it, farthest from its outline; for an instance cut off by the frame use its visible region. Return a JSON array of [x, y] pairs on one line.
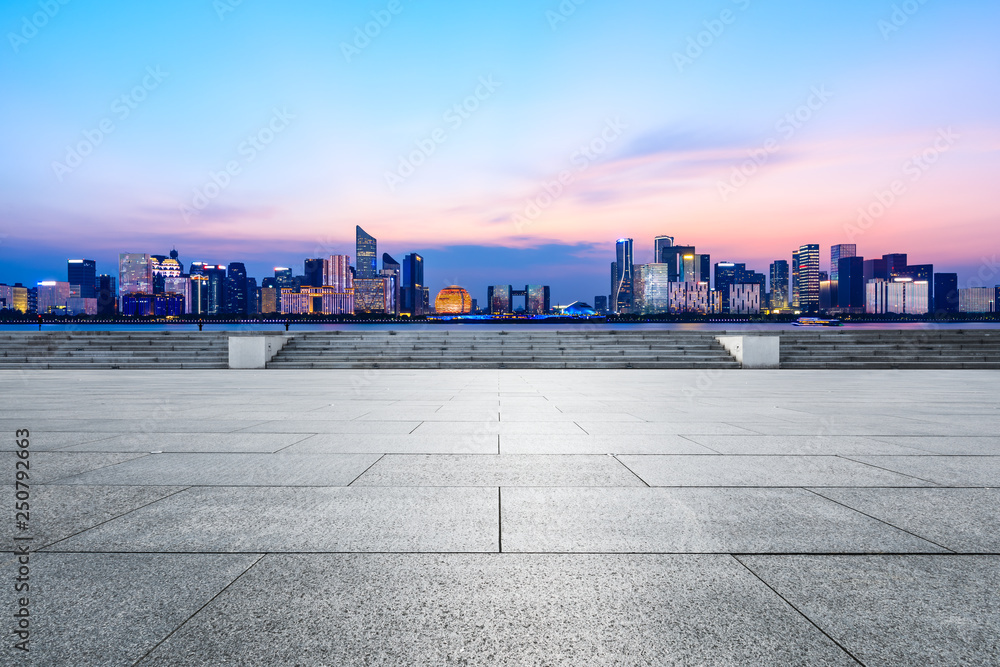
[[896, 610], [511, 516], [497, 609]]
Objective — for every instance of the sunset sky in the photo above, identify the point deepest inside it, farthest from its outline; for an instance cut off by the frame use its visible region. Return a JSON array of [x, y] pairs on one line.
[[121, 119]]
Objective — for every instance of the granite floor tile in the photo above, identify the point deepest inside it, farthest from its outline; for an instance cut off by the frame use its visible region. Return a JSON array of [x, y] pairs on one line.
[[581, 443], [801, 445], [963, 520], [943, 470], [385, 609], [896, 610], [718, 470], [282, 520], [193, 442], [46, 467], [506, 470], [107, 610], [701, 520], [274, 470]]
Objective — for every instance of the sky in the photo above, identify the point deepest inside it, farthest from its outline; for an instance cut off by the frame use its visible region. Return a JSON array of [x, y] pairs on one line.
[[507, 142]]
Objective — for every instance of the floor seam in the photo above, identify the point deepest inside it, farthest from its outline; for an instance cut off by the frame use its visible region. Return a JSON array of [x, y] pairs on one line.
[[797, 610], [199, 610], [853, 509]]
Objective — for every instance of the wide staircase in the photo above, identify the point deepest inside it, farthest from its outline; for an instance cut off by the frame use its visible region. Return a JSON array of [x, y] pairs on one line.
[[888, 349], [493, 349], [112, 349]]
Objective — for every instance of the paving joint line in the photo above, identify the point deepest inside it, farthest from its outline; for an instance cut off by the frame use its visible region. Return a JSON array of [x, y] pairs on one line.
[[797, 610], [119, 516], [908, 532], [199, 610], [363, 471]]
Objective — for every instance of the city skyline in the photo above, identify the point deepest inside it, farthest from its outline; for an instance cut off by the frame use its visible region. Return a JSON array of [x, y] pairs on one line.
[[538, 147]]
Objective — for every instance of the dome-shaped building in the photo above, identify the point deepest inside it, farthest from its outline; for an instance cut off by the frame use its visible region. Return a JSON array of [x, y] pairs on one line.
[[453, 300]]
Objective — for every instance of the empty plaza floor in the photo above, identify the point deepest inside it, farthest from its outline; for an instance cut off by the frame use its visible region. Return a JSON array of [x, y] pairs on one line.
[[483, 517]]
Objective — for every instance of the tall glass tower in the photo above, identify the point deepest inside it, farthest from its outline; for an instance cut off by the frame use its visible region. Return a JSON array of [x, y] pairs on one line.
[[779, 284], [622, 296], [659, 244], [808, 277], [837, 253], [367, 255]]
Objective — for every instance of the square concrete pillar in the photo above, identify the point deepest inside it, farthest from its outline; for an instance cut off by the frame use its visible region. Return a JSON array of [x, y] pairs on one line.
[[254, 351], [754, 351]]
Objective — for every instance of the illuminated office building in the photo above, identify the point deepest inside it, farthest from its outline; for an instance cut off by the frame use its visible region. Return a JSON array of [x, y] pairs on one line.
[[81, 274], [977, 300], [537, 299], [412, 288], [661, 243], [806, 277], [837, 253], [135, 273], [779, 285], [901, 296], [690, 298], [152, 305], [337, 273], [393, 270], [51, 297], [623, 279], [744, 299], [269, 301], [367, 255], [14, 297], [499, 297], [652, 289], [179, 285]]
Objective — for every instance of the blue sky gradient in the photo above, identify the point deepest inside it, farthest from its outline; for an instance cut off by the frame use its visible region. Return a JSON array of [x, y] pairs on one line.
[[348, 121]]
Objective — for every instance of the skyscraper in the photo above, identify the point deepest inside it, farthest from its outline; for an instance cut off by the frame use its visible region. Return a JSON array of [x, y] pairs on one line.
[[808, 277], [236, 289], [313, 271], [81, 274], [851, 292], [946, 293], [537, 299], [135, 273], [366, 255], [107, 292], [622, 295], [412, 291], [895, 264], [337, 273], [726, 275], [660, 243], [216, 289], [779, 285], [393, 270], [673, 257], [500, 299], [836, 253]]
